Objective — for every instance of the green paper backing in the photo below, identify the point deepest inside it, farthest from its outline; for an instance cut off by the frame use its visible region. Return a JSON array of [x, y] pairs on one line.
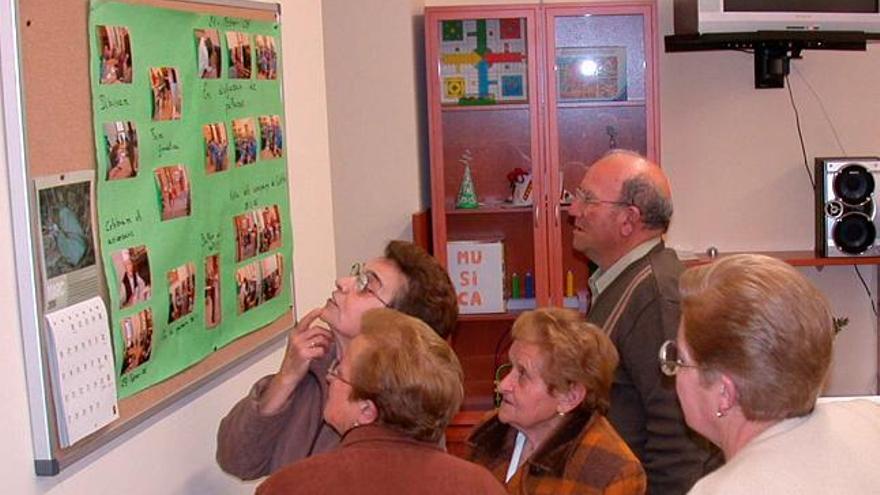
[[129, 210]]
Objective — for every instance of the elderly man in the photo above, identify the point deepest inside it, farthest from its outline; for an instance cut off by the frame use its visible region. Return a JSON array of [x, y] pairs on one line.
[[621, 210]]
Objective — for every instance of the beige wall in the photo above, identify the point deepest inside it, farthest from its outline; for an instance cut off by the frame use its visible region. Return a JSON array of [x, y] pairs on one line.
[[173, 453], [373, 55]]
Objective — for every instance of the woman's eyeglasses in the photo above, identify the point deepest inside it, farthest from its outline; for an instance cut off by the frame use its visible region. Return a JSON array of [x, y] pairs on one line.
[[363, 279], [670, 359], [500, 372], [333, 372]]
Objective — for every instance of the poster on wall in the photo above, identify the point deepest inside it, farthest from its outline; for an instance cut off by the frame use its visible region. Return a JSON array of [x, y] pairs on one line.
[[192, 187], [69, 270]]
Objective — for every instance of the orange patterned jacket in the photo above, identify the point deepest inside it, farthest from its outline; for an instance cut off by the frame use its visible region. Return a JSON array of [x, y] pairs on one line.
[[585, 455]]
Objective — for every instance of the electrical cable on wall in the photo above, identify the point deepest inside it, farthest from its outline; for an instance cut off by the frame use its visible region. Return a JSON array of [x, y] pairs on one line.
[[797, 120], [824, 110], [868, 290], [806, 164]]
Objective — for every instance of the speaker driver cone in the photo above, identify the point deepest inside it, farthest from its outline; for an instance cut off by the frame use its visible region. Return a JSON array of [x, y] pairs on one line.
[[854, 233], [854, 184]]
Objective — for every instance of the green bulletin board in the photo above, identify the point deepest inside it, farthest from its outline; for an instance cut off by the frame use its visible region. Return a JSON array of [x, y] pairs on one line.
[[192, 195]]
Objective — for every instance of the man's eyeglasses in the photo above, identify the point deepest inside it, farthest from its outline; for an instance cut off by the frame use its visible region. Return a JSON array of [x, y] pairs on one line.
[[363, 279], [333, 372], [670, 359], [588, 198]]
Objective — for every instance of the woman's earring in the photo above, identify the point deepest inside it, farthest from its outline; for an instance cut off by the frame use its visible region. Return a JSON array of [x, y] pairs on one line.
[[719, 414]]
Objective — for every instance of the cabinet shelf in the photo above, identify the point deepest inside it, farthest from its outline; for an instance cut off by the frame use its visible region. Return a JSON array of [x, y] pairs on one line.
[[484, 108], [484, 210], [561, 104], [601, 104], [793, 258]]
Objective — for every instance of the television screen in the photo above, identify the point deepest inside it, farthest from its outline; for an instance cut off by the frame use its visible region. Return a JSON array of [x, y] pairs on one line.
[[836, 6]]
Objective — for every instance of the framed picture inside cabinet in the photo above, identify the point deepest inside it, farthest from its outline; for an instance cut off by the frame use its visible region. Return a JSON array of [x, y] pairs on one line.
[[591, 73]]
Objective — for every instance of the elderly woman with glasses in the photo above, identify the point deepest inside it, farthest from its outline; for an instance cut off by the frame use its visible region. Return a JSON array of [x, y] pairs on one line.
[[279, 421], [550, 434], [391, 396], [750, 358]]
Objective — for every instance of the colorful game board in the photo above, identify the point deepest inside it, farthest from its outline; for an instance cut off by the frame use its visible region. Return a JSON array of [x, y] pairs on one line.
[[483, 61]]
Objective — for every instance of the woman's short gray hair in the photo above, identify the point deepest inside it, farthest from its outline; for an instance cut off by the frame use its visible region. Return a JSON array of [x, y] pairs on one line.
[[762, 323]]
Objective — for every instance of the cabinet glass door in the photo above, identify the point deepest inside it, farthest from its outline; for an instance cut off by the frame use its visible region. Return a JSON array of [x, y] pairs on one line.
[[485, 157], [600, 92]]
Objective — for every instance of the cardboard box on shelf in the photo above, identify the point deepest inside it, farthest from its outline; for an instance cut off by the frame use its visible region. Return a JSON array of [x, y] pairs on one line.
[[477, 271]]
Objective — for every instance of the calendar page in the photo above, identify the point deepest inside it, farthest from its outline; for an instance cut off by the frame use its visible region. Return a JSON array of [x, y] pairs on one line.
[[81, 362]]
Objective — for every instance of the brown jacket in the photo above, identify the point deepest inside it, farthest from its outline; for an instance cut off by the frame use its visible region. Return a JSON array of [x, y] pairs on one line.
[[583, 456], [377, 460]]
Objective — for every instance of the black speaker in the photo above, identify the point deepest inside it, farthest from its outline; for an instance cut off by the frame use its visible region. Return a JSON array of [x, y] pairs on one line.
[[846, 206]]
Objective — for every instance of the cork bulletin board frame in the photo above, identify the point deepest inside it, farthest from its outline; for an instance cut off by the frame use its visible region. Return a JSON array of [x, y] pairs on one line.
[[48, 114]]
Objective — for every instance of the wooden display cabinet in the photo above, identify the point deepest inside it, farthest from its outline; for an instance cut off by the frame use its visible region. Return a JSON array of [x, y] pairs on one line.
[[545, 88]]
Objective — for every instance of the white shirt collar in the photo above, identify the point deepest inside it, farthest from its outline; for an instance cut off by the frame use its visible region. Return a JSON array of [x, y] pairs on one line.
[[601, 279]]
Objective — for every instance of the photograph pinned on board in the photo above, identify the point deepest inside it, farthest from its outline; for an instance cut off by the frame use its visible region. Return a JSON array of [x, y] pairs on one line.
[[137, 340], [174, 189], [167, 93], [245, 135], [270, 235], [132, 266], [212, 291], [216, 147], [181, 291], [114, 46], [267, 57], [121, 142], [257, 231], [239, 46], [247, 287], [270, 267], [271, 137], [208, 53], [247, 234]]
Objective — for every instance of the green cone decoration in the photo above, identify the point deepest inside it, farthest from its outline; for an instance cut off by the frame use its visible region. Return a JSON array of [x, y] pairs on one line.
[[467, 196]]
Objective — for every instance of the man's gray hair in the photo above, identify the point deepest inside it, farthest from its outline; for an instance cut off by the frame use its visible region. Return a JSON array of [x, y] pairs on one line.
[[656, 209]]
